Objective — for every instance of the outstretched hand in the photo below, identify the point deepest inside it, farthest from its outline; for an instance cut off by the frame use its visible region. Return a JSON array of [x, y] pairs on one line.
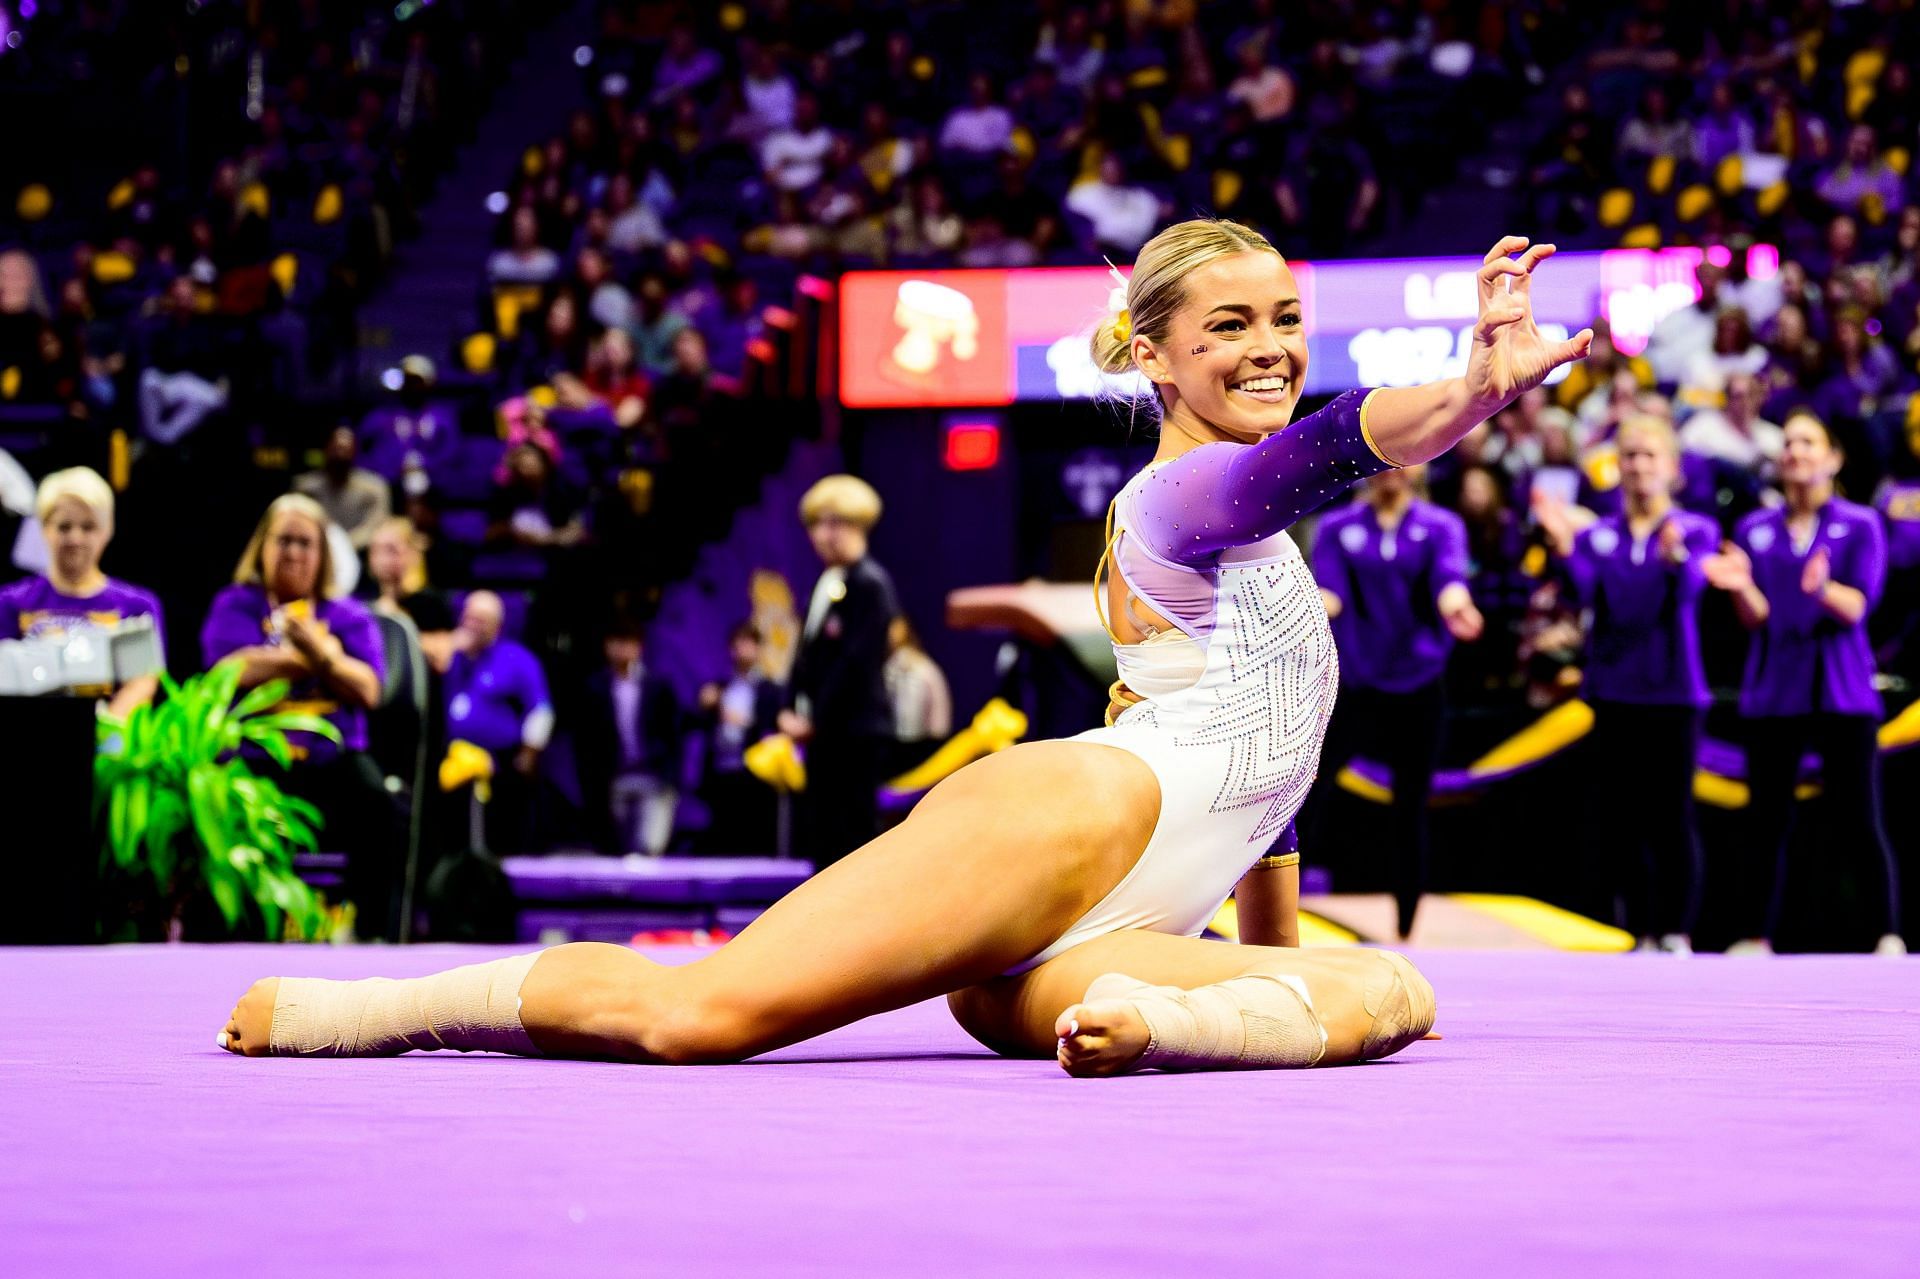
[[1510, 355]]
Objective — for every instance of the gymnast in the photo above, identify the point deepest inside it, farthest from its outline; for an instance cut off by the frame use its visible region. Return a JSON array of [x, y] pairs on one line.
[[1055, 891]]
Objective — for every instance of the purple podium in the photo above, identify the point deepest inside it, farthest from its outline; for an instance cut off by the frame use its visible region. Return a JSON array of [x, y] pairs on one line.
[[583, 897]]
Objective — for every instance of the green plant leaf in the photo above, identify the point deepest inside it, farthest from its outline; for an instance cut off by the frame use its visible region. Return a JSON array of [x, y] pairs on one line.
[[296, 722], [226, 890], [261, 697]]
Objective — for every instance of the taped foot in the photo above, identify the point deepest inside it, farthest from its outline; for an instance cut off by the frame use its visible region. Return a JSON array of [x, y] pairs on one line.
[[1401, 1003], [1259, 1021], [475, 1008]]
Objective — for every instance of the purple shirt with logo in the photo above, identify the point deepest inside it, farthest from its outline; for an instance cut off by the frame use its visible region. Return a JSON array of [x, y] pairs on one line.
[[1388, 582], [490, 695], [1899, 504], [1644, 644], [36, 609], [1804, 659], [242, 616]]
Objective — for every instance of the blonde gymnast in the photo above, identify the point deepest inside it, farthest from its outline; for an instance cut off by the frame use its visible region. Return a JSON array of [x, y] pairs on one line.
[[1054, 892]]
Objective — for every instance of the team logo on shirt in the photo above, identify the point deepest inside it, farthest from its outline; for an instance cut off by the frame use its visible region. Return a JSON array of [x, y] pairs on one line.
[[1836, 529], [1353, 538], [1603, 540], [1418, 533], [1761, 539]]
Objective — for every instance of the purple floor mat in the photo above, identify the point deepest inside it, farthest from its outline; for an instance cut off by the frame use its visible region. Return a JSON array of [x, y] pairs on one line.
[[1586, 1115]]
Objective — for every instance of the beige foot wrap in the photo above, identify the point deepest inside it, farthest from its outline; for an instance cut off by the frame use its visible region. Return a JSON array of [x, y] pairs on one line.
[[470, 1009], [1401, 1003], [1261, 1020]]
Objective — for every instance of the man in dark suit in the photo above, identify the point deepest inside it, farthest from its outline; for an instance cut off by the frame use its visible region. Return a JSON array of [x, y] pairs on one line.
[[739, 713], [840, 711], [629, 749]]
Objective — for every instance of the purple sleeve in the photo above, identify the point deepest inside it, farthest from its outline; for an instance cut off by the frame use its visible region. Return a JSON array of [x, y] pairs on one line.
[[1702, 539], [1330, 561], [230, 626], [1450, 562], [1222, 495], [1864, 566], [1577, 569], [9, 614]]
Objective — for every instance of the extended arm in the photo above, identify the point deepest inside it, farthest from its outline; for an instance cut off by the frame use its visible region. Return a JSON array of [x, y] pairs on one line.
[[1268, 905]]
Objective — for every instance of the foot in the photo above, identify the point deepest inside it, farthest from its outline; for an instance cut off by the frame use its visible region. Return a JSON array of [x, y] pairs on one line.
[[1677, 944], [1102, 1036], [1891, 946], [1749, 948], [249, 1029]]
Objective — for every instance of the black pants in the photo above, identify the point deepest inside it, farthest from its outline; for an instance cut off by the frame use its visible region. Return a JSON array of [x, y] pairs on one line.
[[1401, 731], [839, 811], [364, 822], [1850, 783], [1643, 859]]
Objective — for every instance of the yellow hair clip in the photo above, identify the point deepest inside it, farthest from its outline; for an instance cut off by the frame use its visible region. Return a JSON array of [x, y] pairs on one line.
[[1123, 326]]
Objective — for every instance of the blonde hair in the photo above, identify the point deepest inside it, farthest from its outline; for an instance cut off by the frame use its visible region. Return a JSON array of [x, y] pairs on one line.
[[846, 496], [1157, 289], [414, 579], [252, 568], [81, 483], [1650, 424]]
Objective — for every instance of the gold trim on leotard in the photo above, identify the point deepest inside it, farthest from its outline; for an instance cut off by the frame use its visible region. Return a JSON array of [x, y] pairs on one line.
[[1366, 432]]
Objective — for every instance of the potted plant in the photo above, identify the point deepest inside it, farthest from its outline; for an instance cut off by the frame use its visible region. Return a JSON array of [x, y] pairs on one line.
[[190, 824]]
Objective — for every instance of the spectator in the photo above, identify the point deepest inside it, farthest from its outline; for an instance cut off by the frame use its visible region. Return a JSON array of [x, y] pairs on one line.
[[1068, 46], [1393, 571], [685, 67], [1735, 434], [525, 260], [766, 94], [1862, 183], [656, 325], [353, 497], [839, 709], [1803, 578], [496, 698], [280, 620], [533, 507], [1123, 215], [1687, 334], [633, 226], [1654, 132], [183, 380], [1266, 89], [1328, 190], [397, 563], [922, 703], [630, 748], [75, 510], [979, 127], [1597, 370], [738, 713], [410, 439], [925, 225], [1724, 129], [795, 157]]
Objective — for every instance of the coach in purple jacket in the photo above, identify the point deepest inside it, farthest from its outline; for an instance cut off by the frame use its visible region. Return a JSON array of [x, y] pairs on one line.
[[1803, 578], [1639, 576], [1393, 573]]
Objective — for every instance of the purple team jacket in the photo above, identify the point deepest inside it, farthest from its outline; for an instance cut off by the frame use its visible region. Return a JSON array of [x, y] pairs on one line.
[[1804, 659]]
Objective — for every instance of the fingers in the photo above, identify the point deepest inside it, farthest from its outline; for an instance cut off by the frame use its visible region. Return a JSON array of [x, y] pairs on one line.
[[1489, 278], [1508, 244], [1532, 258], [1575, 347]]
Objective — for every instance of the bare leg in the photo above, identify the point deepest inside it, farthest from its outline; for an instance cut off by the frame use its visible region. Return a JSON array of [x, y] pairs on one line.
[[993, 865], [1030, 1015]]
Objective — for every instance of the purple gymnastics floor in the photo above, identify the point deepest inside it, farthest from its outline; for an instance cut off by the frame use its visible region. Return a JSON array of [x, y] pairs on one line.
[[1585, 1115]]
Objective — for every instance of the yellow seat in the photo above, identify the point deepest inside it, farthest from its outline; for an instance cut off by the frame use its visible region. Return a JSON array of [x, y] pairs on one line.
[[112, 267], [1644, 236], [509, 301], [477, 352], [35, 202], [254, 199], [286, 273], [121, 195], [1616, 206], [327, 205], [1660, 174], [1693, 203], [1729, 175], [1899, 159], [1226, 188], [1770, 199], [531, 162]]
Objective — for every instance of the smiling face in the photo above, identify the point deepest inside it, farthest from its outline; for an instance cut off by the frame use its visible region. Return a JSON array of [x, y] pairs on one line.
[[290, 559], [1244, 309], [1807, 455], [76, 537], [1648, 467]]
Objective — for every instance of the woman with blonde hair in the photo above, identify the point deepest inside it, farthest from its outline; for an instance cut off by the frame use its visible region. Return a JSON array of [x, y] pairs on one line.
[[397, 562], [281, 620], [75, 509], [1055, 891], [1639, 576]]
